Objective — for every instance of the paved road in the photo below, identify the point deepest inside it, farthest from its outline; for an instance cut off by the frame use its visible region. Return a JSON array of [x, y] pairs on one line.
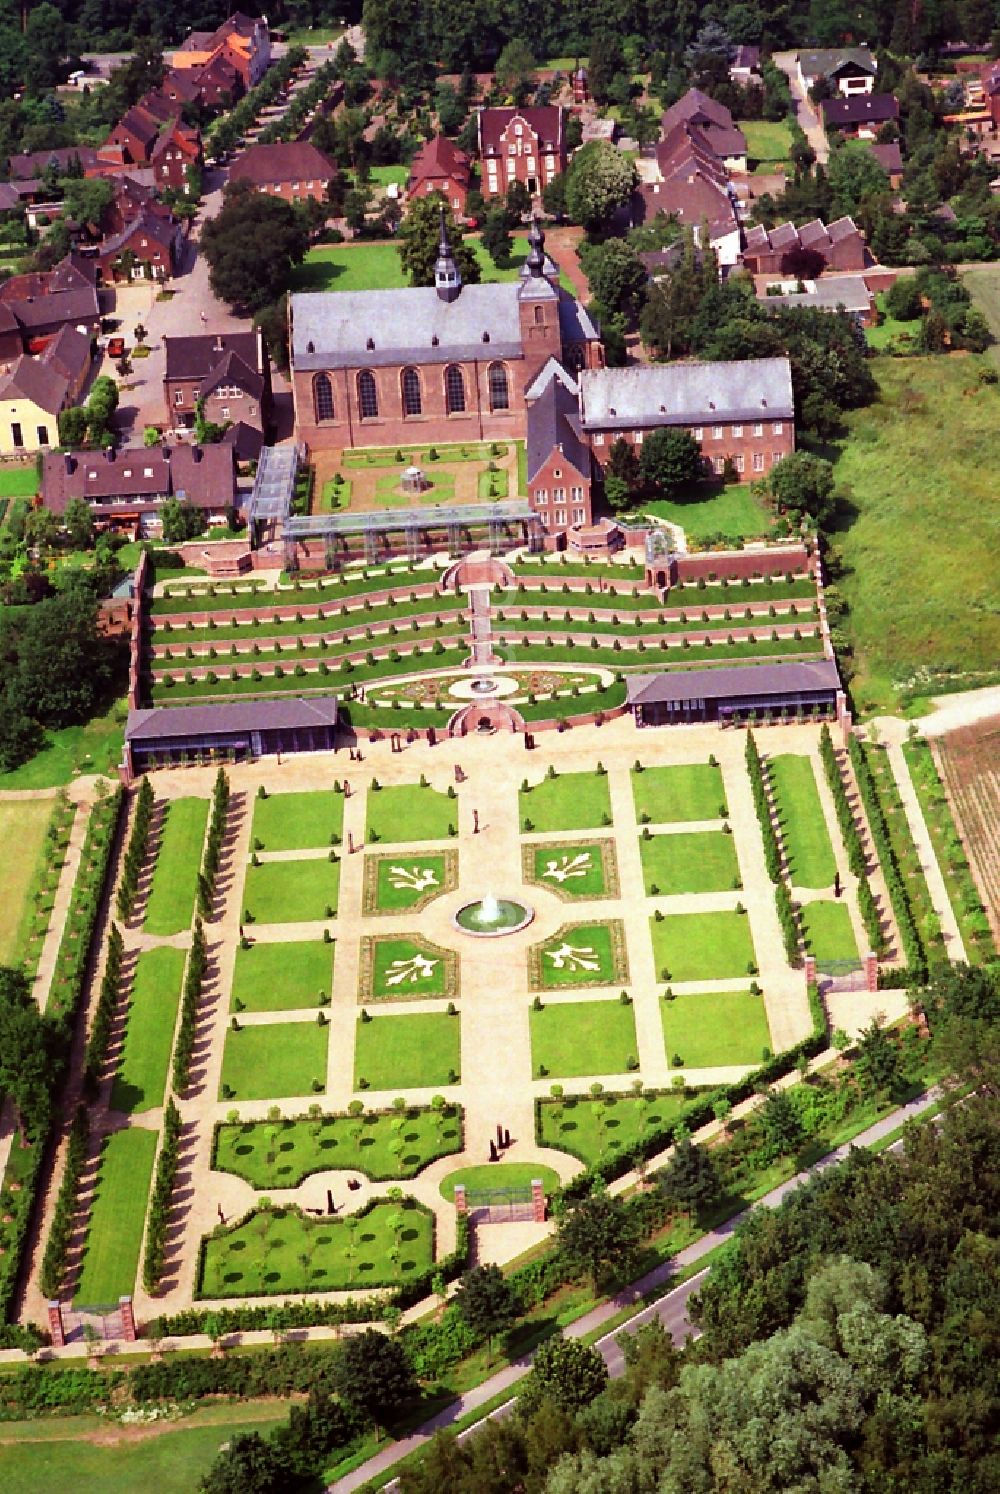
[[808, 119], [670, 1308]]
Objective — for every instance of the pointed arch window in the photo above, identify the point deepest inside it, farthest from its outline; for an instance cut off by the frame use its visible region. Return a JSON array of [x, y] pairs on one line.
[[454, 390], [367, 395], [323, 397], [413, 403], [499, 387]]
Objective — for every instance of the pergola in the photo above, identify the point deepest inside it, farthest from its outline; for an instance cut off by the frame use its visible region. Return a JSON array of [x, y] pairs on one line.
[[273, 490], [416, 525]]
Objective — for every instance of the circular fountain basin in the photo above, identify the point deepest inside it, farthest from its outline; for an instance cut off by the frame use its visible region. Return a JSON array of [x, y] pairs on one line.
[[483, 687], [505, 916]]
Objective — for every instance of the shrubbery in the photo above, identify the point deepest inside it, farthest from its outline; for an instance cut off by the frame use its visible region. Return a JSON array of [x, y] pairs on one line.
[[60, 1232], [193, 979], [159, 1208], [213, 845], [913, 945], [135, 855]]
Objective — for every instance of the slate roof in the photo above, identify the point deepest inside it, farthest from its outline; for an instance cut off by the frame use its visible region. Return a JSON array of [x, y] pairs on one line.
[[860, 108], [195, 357], [38, 381], [553, 421], [232, 370], [331, 330], [204, 474], [798, 676], [690, 199], [285, 161], [889, 157], [546, 121], [34, 162], [823, 62], [712, 122], [830, 293], [785, 236], [159, 229], [439, 157], [159, 723], [575, 321], [69, 353], [686, 394]]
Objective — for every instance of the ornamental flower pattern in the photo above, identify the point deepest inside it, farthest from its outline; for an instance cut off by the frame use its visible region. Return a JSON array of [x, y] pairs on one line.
[[561, 868], [419, 968]]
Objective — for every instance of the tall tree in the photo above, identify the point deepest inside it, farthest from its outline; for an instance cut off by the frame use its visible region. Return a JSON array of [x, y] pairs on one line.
[[596, 1235], [567, 1373], [599, 180], [487, 1302], [372, 1372], [419, 234], [252, 246]]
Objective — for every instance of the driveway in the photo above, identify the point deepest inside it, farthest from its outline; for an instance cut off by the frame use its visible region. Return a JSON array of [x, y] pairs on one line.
[[808, 119]]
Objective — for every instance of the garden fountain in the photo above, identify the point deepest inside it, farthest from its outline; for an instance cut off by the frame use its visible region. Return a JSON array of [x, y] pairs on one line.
[[492, 916]]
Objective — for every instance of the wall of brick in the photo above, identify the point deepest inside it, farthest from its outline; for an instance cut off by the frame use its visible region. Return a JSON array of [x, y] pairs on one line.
[[770, 446], [733, 565]]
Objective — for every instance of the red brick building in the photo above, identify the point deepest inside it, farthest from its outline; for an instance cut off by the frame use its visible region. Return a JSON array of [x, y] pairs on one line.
[[526, 145], [148, 247], [439, 166], [229, 374], [805, 251], [242, 41], [294, 170]]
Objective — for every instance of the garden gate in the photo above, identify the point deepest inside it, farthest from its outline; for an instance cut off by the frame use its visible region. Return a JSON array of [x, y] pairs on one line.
[[500, 1205], [107, 1319], [843, 975]]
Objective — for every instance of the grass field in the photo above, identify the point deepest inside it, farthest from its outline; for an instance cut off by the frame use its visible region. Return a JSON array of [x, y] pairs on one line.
[[828, 932], [407, 968], [291, 891], [410, 1051], [571, 868], [18, 482], [591, 1128], [386, 1145], [171, 897], [686, 791], [921, 562], [111, 1257], [803, 828], [389, 493], [498, 1175], [384, 176], [702, 862], [582, 1037], [282, 977], [395, 884], [376, 266], [409, 812], [983, 285], [584, 954], [702, 946], [297, 822], [22, 834], [769, 142], [94, 748], [149, 1036], [272, 1061], [571, 801], [734, 512], [713, 1028], [891, 332]]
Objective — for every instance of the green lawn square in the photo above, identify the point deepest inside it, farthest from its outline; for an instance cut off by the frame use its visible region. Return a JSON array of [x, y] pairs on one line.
[[170, 907], [575, 1038], [829, 933], [704, 861], [715, 1028], [407, 1052], [291, 891], [298, 822], [406, 969], [581, 954], [804, 833], [570, 801], [273, 1060], [408, 812], [592, 1128], [702, 946], [406, 883], [572, 868], [282, 977], [684, 791], [149, 1032], [117, 1215]]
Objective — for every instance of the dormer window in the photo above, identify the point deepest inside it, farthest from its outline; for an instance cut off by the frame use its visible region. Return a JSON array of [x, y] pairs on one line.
[[486, 337], [127, 472], [435, 340]]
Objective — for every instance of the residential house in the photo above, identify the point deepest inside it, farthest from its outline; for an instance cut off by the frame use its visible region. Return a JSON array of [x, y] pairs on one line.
[[227, 374], [890, 158], [439, 166], [149, 247], [560, 470], [860, 116], [991, 91], [805, 251], [42, 303], [242, 41], [848, 70], [67, 160], [709, 125], [176, 154], [127, 489], [213, 85], [835, 293], [294, 169], [152, 134], [526, 145], [744, 66], [695, 197], [34, 391]]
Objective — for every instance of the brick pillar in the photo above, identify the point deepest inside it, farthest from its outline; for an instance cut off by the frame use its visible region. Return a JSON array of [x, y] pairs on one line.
[[56, 1330], [461, 1207], [871, 971], [809, 967], [129, 1333], [538, 1200]]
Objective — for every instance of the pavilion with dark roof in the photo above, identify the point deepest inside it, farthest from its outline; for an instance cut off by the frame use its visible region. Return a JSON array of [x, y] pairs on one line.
[[237, 730], [736, 695]]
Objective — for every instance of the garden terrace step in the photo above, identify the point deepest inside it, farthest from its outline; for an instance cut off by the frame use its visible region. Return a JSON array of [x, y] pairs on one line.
[[180, 665], [287, 643]]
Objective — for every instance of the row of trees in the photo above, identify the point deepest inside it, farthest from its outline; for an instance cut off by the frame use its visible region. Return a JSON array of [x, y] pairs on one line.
[[852, 841], [213, 845], [135, 853], [772, 851], [104, 1010], [194, 979], [154, 1255], [913, 945], [90, 424]]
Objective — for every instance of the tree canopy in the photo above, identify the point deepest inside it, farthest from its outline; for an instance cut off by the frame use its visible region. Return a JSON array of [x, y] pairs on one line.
[[252, 247], [599, 180], [419, 235]]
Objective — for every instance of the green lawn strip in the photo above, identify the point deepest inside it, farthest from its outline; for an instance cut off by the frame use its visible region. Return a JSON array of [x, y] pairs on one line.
[[607, 620], [903, 847], [570, 868], [337, 677], [335, 495], [804, 832], [829, 934], [114, 1235], [282, 977], [510, 647], [149, 1035], [768, 141], [273, 1060], [570, 1039], [313, 638], [702, 946], [591, 1128], [224, 598], [407, 1051], [683, 791], [376, 266], [406, 969], [408, 811], [26, 851], [735, 513], [381, 1145], [704, 861], [569, 801], [578, 955], [171, 897], [402, 884], [711, 1029], [297, 822], [382, 175], [300, 663], [291, 891], [389, 494], [454, 451], [342, 616], [282, 1250], [492, 1177]]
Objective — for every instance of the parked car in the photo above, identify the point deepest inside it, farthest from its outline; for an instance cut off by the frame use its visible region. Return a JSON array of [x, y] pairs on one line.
[[116, 347]]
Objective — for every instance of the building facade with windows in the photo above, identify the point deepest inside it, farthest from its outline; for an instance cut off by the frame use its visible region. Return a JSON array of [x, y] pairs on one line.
[[524, 145], [227, 373]]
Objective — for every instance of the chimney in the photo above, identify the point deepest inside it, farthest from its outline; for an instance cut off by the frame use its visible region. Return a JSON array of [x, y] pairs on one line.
[[217, 346], [261, 354], [109, 452], [70, 463], [196, 453]]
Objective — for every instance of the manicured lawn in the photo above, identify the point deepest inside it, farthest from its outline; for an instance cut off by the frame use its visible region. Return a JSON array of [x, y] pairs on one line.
[[582, 954], [149, 1036], [702, 946], [22, 834], [592, 1128], [702, 862], [715, 1028], [291, 891], [409, 812], [930, 607], [111, 1256], [406, 968], [398, 884], [582, 1037], [492, 1176], [393, 1145], [171, 897], [803, 826], [374, 266], [284, 1251], [269, 1062], [384, 176], [733, 513], [570, 801], [282, 977], [769, 142], [94, 748], [684, 791], [410, 1051], [389, 494], [829, 934], [573, 869], [298, 822], [19, 481]]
